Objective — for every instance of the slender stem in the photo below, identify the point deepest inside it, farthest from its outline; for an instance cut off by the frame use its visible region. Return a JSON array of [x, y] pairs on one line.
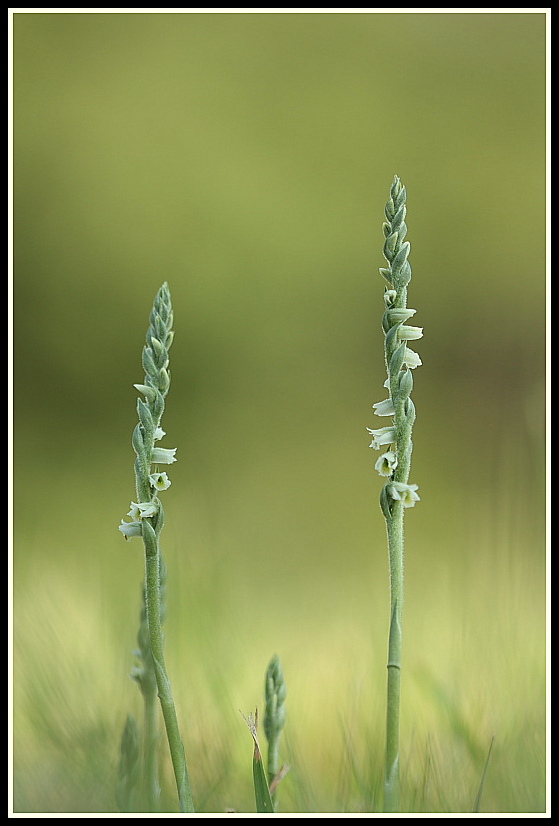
[[394, 665], [176, 747], [394, 464], [147, 522], [151, 743]]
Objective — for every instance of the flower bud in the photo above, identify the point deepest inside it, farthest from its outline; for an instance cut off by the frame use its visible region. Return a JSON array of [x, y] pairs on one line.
[[405, 382]]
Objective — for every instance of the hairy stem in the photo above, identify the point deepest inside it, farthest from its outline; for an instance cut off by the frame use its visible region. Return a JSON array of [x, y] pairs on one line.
[[147, 519], [394, 464], [176, 747], [394, 665]]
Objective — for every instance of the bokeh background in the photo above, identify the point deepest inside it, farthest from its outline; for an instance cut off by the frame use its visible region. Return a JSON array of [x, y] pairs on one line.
[[246, 158]]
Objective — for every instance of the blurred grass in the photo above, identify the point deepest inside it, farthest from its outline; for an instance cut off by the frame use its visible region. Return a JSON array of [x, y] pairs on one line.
[[246, 159]]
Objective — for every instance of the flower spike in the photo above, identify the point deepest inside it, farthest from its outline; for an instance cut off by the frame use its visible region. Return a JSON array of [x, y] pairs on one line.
[[394, 464]]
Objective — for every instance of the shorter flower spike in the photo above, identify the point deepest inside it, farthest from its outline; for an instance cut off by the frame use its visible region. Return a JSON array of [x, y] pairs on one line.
[[148, 431]]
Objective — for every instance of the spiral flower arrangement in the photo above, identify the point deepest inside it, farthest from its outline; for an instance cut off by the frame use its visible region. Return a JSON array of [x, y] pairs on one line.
[[400, 361], [147, 513], [396, 443], [146, 521]]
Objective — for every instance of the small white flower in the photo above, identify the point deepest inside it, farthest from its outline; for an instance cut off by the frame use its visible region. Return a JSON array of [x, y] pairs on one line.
[[163, 455], [386, 463], [130, 529], [406, 494], [140, 510], [384, 408], [382, 436], [398, 315], [408, 333], [411, 359], [159, 433], [159, 481]]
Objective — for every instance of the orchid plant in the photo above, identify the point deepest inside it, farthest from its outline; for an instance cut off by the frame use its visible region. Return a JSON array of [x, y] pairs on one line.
[[146, 521], [394, 462]]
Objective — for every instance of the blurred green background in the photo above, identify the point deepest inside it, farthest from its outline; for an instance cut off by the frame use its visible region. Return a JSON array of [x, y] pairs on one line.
[[246, 158]]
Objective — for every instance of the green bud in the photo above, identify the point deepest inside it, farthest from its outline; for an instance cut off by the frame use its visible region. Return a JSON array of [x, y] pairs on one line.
[[398, 264], [157, 347], [397, 359], [386, 503], [149, 392], [148, 362], [138, 440], [390, 246], [405, 382], [144, 415], [164, 380]]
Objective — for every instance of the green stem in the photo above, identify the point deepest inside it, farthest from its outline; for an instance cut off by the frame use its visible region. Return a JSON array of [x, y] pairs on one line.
[[151, 743], [394, 665], [397, 493], [176, 747]]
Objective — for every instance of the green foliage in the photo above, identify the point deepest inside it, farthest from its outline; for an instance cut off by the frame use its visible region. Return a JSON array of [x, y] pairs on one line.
[[263, 799]]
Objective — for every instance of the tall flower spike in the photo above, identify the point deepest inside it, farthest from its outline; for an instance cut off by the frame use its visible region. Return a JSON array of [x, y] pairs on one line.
[[394, 465], [154, 388], [147, 522], [399, 358]]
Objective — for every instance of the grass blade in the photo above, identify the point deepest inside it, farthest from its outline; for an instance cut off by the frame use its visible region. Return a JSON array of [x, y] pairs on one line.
[[262, 795]]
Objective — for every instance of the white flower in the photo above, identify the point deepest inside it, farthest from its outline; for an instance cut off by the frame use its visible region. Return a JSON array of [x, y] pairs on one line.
[[382, 436], [137, 512], [407, 333], [389, 295], [406, 494], [384, 408], [140, 510], [159, 481], [159, 433], [411, 359], [130, 529], [163, 455], [386, 463], [399, 315]]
